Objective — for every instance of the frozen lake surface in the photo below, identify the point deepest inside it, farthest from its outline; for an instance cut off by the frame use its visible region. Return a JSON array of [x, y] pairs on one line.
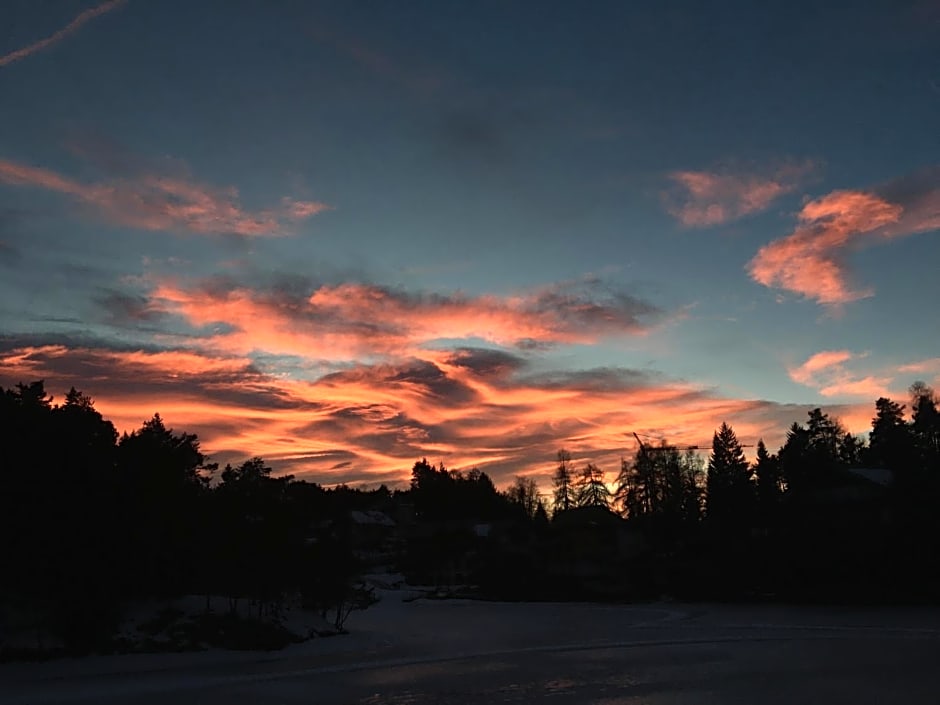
[[478, 652]]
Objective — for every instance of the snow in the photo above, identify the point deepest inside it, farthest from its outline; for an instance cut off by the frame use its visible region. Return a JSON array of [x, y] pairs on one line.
[[405, 628]]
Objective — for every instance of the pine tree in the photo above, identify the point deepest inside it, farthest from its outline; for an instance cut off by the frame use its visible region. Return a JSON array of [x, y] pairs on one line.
[[730, 493], [769, 485], [890, 441], [563, 494], [925, 424], [812, 455]]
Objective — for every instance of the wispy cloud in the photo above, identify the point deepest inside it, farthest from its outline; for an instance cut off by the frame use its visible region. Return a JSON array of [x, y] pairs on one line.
[[58, 36], [809, 261], [370, 422], [706, 198], [927, 370], [160, 202], [819, 362], [353, 321], [828, 372]]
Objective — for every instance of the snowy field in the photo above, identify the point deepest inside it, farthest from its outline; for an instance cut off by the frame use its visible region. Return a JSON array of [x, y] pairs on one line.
[[457, 651]]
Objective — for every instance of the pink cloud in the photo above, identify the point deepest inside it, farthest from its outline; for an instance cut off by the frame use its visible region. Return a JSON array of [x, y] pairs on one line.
[[924, 370], [351, 321], [705, 198], [819, 362], [61, 34], [157, 202], [869, 387], [24, 175], [827, 372], [301, 210], [929, 366], [809, 261]]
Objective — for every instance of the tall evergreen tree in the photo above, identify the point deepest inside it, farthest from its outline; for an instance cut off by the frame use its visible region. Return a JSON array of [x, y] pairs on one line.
[[890, 443], [767, 471], [925, 424], [729, 491], [164, 481], [812, 454], [563, 496], [691, 465]]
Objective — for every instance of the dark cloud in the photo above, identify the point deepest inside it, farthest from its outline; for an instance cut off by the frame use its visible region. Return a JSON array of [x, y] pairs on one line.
[[417, 375], [591, 304], [57, 319], [17, 341], [119, 369], [122, 307], [595, 379], [434, 381], [487, 362], [402, 441], [532, 345], [918, 194]]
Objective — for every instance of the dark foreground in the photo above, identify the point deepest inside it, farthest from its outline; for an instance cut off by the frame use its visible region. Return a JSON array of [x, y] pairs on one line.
[[464, 652]]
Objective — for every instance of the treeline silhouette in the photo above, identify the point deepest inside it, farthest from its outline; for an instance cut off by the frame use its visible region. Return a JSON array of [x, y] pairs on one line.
[[92, 521]]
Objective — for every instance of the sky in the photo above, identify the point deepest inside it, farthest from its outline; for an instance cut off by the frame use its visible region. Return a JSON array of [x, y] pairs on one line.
[[345, 236]]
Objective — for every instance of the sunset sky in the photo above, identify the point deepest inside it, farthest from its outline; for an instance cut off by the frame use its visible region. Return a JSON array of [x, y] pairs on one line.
[[347, 235]]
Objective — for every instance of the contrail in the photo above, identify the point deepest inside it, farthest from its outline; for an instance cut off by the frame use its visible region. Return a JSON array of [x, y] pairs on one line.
[[70, 28]]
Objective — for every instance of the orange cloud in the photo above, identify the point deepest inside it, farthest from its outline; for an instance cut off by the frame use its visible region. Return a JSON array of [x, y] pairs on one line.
[[154, 202], [808, 262], [869, 387], [355, 321], [826, 372], [926, 370], [369, 423], [61, 34], [929, 366], [824, 360], [705, 198]]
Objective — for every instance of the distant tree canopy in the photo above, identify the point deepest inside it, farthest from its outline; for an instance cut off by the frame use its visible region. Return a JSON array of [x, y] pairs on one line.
[[524, 493], [439, 493], [91, 520], [662, 482]]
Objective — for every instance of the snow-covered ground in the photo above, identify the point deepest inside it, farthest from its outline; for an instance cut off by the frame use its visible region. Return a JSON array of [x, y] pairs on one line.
[[404, 641]]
